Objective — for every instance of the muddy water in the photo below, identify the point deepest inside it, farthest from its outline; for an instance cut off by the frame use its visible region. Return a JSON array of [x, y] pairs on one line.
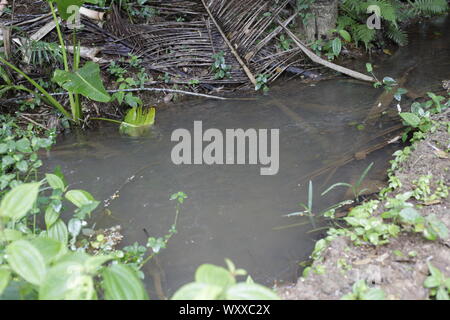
[[233, 211]]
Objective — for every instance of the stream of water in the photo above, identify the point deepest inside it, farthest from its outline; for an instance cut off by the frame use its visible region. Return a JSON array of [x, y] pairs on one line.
[[232, 211]]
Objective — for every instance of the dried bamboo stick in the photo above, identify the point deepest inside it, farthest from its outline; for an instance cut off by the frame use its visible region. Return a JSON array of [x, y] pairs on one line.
[[230, 45], [315, 58]]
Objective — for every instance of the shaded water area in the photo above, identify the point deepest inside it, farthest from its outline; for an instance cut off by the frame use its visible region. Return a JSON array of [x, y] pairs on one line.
[[232, 210]]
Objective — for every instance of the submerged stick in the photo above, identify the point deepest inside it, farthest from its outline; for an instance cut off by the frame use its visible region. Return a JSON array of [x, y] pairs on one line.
[[315, 58], [230, 45]]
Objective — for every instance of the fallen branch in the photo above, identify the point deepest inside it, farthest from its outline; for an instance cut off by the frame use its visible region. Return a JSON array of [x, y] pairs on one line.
[[315, 58], [141, 89], [230, 45]]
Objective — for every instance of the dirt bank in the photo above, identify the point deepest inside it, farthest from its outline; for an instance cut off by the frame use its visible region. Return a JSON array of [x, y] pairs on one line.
[[399, 267]]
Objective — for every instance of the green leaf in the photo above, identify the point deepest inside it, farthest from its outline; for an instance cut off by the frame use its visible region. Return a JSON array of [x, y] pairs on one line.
[[5, 275], [50, 249], [345, 35], [79, 198], [22, 166], [67, 281], [410, 216], [10, 235], [16, 203], [94, 263], [244, 291], [64, 6], [411, 119], [336, 46], [51, 216], [373, 294], [198, 291], [85, 81], [58, 231], [214, 275], [121, 283], [23, 145], [340, 184], [369, 67], [54, 181], [26, 261]]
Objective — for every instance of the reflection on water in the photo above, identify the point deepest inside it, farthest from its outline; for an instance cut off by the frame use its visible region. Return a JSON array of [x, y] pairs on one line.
[[232, 210]]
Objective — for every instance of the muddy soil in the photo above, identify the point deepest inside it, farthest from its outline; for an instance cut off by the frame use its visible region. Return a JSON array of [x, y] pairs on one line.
[[390, 267]]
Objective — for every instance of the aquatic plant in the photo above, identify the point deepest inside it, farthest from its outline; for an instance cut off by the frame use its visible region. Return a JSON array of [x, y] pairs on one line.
[[137, 121], [356, 188]]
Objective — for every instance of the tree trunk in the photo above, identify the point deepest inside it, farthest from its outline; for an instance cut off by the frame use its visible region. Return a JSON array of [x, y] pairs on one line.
[[324, 17]]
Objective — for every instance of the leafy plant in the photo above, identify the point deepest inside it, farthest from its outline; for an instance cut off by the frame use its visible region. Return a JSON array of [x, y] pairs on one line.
[[438, 284], [356, 188], [138, 121], [217, 283], [261, 83], [220, 69], [19, 152], [362, 292], [40, 264], [85, 81], [327, 213]]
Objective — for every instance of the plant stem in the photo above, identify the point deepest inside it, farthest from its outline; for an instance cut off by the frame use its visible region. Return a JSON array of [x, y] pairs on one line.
[[73, 105]]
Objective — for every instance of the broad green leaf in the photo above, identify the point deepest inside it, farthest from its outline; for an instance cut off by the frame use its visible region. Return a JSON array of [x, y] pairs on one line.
[[336, 46], [51, 216], [85, 81], [214, 275], [245, 291], [410, 216], [54, 181], [121, 283], [50, 249], [67, 281], [431, 282], [198, 291], [373, 294], [64, 7], [26, 261], [10, 235], [345, 35], [442, 294], [93, 263], [79, 197], [17, 202], [411, 119], [23, 145], [5, 275], [58, 231]]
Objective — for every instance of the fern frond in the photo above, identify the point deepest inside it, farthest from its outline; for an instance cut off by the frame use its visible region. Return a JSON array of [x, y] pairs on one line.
[[397, 35], [362, 33], [430, 6]]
